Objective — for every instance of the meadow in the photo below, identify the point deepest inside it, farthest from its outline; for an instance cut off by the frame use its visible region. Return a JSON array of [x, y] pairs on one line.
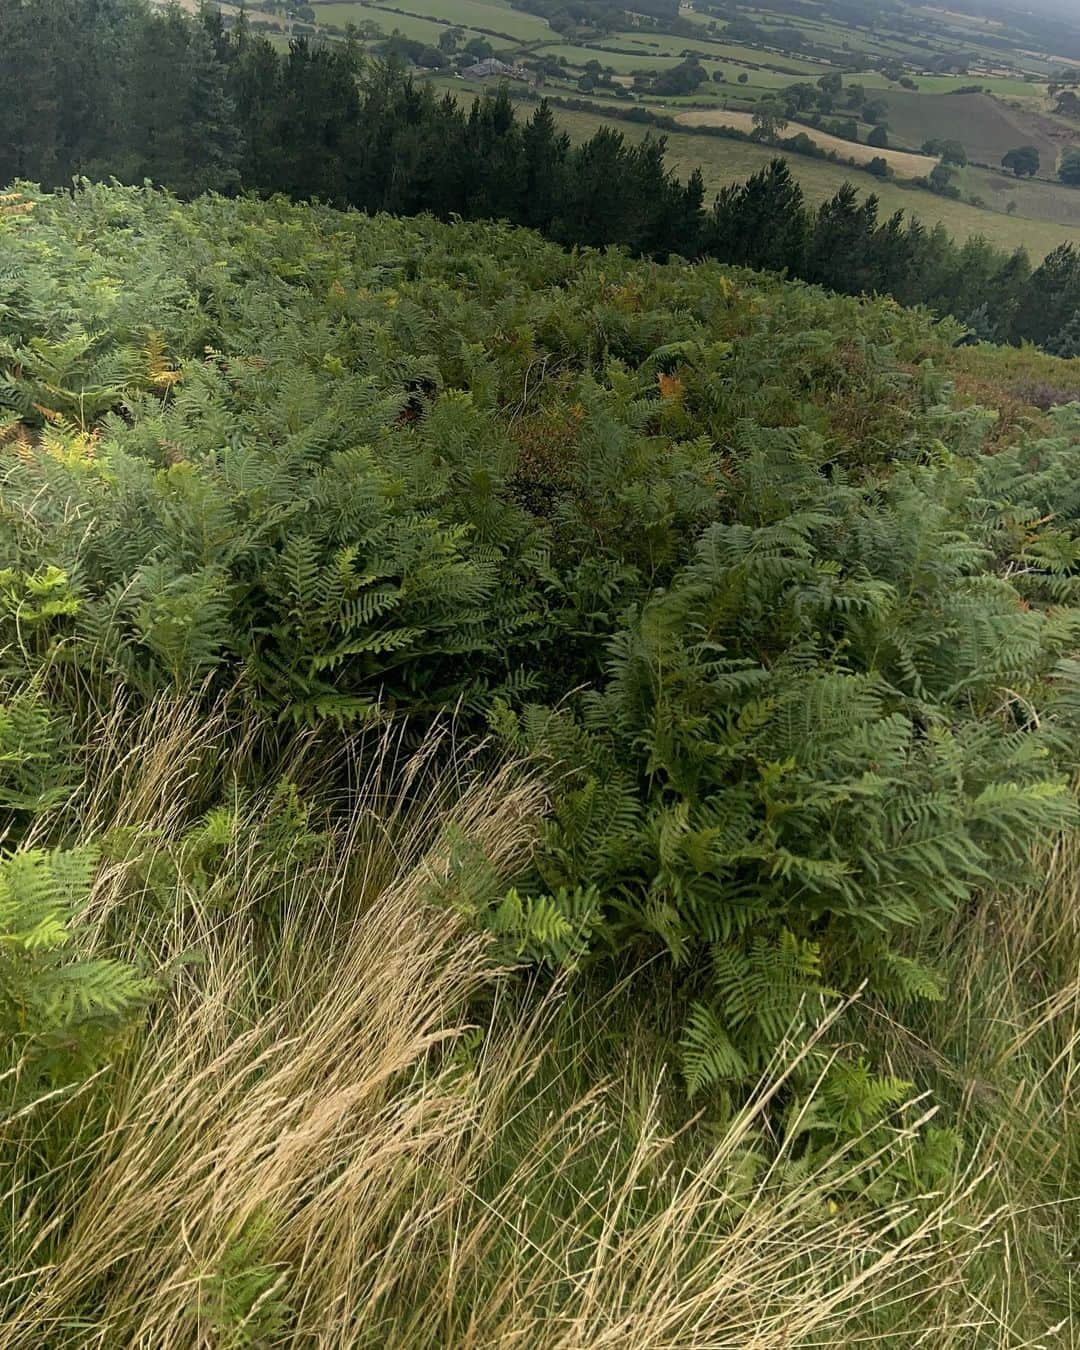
[[481, 14], [724, 161], [987, 127], [427, 19], [660, 44], [903, 163], [343, 12]]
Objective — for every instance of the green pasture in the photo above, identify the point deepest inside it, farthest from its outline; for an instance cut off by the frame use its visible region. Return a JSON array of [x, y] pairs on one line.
[[986, 127], [342, 12], [724, 161], [624, 64], [664, 44], [1036, 199], [1004, 86], [617, 61], [481, 14]]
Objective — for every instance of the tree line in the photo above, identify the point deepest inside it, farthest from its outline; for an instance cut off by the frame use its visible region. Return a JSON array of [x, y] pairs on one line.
[[102, 88]]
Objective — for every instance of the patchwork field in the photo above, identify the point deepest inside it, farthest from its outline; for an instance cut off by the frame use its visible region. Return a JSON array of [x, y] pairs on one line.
[[1002, 86], [662, 44], [986, 126], [902, 162], [426, 19], [1038, 199], [341, 14], [480, 14], [740, 66], [728, 161]]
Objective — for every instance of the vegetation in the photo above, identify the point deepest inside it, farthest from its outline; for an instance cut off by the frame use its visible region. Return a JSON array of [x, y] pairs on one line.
[[524, 775], [1069, 168], [728, 160], [1024, 159], [923, 71], [197, 108]]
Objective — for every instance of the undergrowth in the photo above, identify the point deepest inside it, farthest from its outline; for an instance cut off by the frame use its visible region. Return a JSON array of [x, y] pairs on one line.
[[537, 798]]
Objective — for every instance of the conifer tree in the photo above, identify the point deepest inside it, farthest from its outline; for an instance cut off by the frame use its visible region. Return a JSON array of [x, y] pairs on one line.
[[760, 223], [544, 152]]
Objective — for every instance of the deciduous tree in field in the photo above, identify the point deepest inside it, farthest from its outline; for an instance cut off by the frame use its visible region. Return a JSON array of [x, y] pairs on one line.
[[769, 121], [952, 152], [1022, 160], [1069, 168]]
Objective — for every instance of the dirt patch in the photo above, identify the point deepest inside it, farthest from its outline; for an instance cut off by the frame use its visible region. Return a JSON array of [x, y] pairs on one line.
[[902, 162]]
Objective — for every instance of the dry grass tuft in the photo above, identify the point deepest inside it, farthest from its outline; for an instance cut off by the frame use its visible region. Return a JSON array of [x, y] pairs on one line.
[[309, 1143]]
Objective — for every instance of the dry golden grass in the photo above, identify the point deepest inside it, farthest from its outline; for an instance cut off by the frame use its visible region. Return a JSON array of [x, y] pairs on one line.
[[306, 1145], [1002, 1053], [902, 162]]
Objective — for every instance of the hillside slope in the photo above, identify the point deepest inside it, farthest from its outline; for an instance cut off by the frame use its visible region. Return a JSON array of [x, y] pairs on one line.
[[537, 796], [723, 162], [903, 163]]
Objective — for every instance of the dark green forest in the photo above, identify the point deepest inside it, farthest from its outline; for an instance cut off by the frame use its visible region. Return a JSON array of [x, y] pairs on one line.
[[109, 88]]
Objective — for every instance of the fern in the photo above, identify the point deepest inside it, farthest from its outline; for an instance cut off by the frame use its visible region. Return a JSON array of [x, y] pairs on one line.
[[36, 755], [61, 1012], [718, 555], [556, 929], [707, 1053]]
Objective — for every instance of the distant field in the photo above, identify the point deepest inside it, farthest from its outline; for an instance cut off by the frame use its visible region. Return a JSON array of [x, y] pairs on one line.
[[760, 80], [1042, 212], [826, 33], [336, 12], [617, 61], [664, 44], [1038, 199], [722, 161], [901, 161], [481, 14], [422, 24], [984, 126], [1003, 86]]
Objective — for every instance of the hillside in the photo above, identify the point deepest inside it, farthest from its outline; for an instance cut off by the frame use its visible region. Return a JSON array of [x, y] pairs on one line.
[[986, 126], [723, 162], [536, 794], [319, 122], [921, 72], [903, 163]]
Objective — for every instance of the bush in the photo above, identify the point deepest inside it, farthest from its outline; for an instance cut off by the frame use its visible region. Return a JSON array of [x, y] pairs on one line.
[[1069, 168]]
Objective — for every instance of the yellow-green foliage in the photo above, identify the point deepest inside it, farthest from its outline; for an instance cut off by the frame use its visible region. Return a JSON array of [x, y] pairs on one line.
[[786, 663], [670, 529]]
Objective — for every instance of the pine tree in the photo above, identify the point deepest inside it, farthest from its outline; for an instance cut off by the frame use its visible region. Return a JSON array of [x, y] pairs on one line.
[[493, 145], [544, 152], [1051, 297], [761, 223], [840, 250]]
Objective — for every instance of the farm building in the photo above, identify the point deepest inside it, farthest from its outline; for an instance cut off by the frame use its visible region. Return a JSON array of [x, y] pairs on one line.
[[483, 70]]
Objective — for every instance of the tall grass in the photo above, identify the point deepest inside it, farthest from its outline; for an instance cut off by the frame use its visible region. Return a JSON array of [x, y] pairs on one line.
[[1002, 1054], [342, 1124]]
